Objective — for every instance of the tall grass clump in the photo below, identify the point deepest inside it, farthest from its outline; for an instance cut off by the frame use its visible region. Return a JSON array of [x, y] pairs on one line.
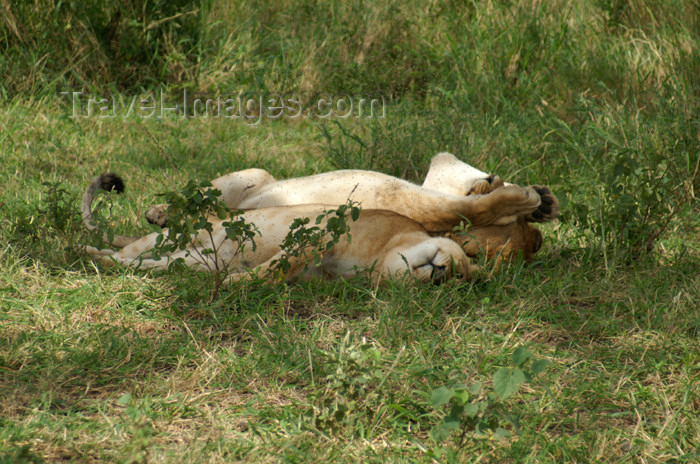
[[312, 47], [92, 44]]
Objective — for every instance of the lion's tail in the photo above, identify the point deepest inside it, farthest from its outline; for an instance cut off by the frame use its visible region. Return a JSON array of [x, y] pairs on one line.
[[106, 182]]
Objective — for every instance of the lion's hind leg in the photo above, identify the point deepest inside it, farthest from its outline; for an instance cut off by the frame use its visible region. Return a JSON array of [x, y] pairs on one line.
[[99, 252], [447, 174], [234, 187], [137, 253], [158, 215]]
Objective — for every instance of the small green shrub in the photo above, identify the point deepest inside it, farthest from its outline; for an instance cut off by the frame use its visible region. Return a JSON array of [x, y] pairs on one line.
[[474, 409], [630, 187], [53, 229], [189, 215], [352, 393]]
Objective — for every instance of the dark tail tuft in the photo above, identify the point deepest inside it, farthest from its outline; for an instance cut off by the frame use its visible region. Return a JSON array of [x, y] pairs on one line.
[[111, 181]]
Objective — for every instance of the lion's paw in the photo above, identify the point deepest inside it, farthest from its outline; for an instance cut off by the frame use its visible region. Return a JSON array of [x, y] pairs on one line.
[[549, 206], [505, 204], [437, 259], [157, 215], [486, 185]]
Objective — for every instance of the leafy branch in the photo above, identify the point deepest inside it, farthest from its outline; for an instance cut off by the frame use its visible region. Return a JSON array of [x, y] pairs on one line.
[[475, 409], [190, 229], [302, 240]]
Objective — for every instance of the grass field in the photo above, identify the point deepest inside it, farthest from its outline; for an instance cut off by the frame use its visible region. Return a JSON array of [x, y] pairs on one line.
[[600, 100]]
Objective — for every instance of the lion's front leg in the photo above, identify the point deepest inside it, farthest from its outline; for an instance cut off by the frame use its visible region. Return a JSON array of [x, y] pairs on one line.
[[547, 211], [449, 175], [503, 206]]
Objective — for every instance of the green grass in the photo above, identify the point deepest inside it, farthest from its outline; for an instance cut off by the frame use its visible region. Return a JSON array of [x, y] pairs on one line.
[[598, 100]]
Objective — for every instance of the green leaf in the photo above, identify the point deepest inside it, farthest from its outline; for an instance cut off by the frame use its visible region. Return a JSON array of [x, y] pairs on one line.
[[471, 410], [461, 395], [440, 432], [133, 412], [452, 422], [507, 381], [521, 355], [539, 366], [501, 433], [441, 396], [475, 388], [124, 399]]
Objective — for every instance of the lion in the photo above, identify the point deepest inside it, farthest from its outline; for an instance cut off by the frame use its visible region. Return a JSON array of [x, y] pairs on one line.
[[498, 213], [384, 242], [438, 212], [431, 204]]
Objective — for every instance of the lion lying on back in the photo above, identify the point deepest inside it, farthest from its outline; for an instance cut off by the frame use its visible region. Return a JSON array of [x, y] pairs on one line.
[[435, 205], [391, 236], [383, 241]]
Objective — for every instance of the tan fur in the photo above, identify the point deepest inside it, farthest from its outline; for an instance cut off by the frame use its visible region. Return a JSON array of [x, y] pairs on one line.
[[436, 204], [392, 235], [518, 239], [437, 212], [447, 174], [385, 242]]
